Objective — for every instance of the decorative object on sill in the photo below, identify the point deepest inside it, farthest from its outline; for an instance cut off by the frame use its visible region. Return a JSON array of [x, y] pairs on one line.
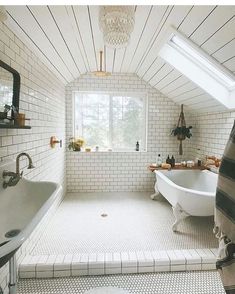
[[3, 14], [190, 163], [181, 131], [117, 24], [97, 148], [76, 143], [101, 72], [4, 117], [137, 146], [159, 160], [168, 160], [20, 119], [4, 111], [166, 166], [183, 163], [88, 149], [212, 161], [172, 161], [54, 141]]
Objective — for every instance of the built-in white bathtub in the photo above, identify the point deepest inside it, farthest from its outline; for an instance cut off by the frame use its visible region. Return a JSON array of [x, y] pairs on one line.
[[190, 192]]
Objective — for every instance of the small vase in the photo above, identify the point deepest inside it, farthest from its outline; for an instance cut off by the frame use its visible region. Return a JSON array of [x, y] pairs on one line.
[[77, 148]]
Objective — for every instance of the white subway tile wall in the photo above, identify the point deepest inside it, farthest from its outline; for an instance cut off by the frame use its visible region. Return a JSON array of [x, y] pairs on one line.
[[42, 99], [210, 134], [120, 171]]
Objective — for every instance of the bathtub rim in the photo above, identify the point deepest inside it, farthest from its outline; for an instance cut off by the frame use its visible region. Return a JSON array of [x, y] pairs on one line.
[[171, 183]]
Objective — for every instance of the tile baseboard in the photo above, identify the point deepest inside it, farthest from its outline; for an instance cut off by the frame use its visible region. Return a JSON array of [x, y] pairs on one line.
[[117, 263]]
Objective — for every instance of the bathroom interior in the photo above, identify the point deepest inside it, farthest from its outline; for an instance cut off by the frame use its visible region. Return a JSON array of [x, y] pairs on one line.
[[113, 123]]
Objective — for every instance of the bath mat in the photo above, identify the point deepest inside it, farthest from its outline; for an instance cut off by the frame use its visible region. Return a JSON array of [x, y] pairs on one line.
[[106, 290]]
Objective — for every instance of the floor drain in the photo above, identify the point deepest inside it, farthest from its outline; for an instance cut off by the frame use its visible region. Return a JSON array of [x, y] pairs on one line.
[[104, 215], [12, 233]]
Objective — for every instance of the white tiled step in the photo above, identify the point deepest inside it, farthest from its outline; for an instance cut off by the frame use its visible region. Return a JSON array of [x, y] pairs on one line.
[[117, 263]]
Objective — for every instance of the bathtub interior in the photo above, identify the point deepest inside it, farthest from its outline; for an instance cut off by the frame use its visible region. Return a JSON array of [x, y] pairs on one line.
[[203, 181]]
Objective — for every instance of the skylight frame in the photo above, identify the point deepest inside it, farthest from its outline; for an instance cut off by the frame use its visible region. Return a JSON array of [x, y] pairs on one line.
[[205, 63], [198, 66]]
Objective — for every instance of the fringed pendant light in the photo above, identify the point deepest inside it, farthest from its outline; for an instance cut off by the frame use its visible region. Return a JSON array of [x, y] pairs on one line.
[[117, 23]]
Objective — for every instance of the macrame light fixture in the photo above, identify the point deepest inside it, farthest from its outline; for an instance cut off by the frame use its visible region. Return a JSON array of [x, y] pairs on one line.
[[117, 24], [101, 72]]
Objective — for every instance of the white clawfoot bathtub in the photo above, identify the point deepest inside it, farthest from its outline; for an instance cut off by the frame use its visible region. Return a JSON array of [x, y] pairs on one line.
[[190, 192]]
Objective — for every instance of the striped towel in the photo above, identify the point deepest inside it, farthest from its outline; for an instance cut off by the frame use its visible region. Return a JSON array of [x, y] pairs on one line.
[[225, 216]]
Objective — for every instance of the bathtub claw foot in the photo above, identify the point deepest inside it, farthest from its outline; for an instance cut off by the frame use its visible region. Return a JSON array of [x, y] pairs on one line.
[[156, 196], [179, 214]]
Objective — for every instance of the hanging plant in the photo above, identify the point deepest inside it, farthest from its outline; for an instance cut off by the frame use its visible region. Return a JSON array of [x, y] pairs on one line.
[[181, 131]]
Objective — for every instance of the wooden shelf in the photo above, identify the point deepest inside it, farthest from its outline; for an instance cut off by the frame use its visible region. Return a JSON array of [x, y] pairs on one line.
[[6, 126], [153, 168]]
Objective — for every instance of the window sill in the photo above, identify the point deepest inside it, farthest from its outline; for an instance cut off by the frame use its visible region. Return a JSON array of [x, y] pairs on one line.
[[82, 151]]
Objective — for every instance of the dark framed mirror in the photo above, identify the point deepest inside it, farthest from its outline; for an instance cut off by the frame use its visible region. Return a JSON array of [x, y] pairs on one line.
[[9, 92]]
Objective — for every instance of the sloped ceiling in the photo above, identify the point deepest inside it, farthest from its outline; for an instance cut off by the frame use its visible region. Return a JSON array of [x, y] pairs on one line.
[[68, 39]]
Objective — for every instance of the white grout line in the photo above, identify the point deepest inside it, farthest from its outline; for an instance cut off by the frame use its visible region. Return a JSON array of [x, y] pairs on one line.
[[116, 263]]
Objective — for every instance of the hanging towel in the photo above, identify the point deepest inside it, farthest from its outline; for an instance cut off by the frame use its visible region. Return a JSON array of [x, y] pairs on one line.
[[225, 216]]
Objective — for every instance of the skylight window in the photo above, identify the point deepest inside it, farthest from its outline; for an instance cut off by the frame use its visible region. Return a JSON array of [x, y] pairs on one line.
[[199, 67]]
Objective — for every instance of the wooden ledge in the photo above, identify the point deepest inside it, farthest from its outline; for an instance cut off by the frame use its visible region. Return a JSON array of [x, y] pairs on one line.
[[152, 168]]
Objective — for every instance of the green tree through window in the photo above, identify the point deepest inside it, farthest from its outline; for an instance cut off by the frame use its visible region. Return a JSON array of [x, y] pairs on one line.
[[110, 120]]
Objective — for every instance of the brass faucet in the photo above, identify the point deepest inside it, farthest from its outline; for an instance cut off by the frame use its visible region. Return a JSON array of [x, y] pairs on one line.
[[15, 177]]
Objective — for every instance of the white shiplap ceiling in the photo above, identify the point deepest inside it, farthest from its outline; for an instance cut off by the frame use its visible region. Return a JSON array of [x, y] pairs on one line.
[[68, 39]]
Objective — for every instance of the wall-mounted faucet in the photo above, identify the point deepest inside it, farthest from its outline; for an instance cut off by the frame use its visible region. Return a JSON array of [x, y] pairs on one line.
[[16, 176]]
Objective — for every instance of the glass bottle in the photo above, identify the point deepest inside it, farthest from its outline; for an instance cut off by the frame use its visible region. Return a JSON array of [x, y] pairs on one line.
[[168, 160], [172, 161], [159, 160], [137, 146]]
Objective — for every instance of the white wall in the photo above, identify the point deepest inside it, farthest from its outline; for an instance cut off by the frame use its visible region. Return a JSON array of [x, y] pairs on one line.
[[120, 171], [42, 99], [211, 133]]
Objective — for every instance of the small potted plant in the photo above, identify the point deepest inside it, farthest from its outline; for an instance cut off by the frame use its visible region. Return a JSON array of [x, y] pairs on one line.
[[4, 111], [76, 143], [182, 132]]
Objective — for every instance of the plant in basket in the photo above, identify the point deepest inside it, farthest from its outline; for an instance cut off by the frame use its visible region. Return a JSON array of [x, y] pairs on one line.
[[181, 131]]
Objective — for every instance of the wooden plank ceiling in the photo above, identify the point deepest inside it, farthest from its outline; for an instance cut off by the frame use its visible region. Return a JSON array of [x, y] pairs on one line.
[[68, 39]]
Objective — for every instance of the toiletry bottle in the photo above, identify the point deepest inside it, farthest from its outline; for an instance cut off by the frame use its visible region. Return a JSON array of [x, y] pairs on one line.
[[159, 160], [137, 146], [168, 160], [172, 161]]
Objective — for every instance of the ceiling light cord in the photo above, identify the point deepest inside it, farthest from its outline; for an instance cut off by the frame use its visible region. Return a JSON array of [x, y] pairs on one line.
[[3, 14], [101, 72]]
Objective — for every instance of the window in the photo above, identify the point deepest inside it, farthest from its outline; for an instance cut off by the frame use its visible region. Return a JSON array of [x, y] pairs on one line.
[[202, 61], [199, 67], [110, 121]]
